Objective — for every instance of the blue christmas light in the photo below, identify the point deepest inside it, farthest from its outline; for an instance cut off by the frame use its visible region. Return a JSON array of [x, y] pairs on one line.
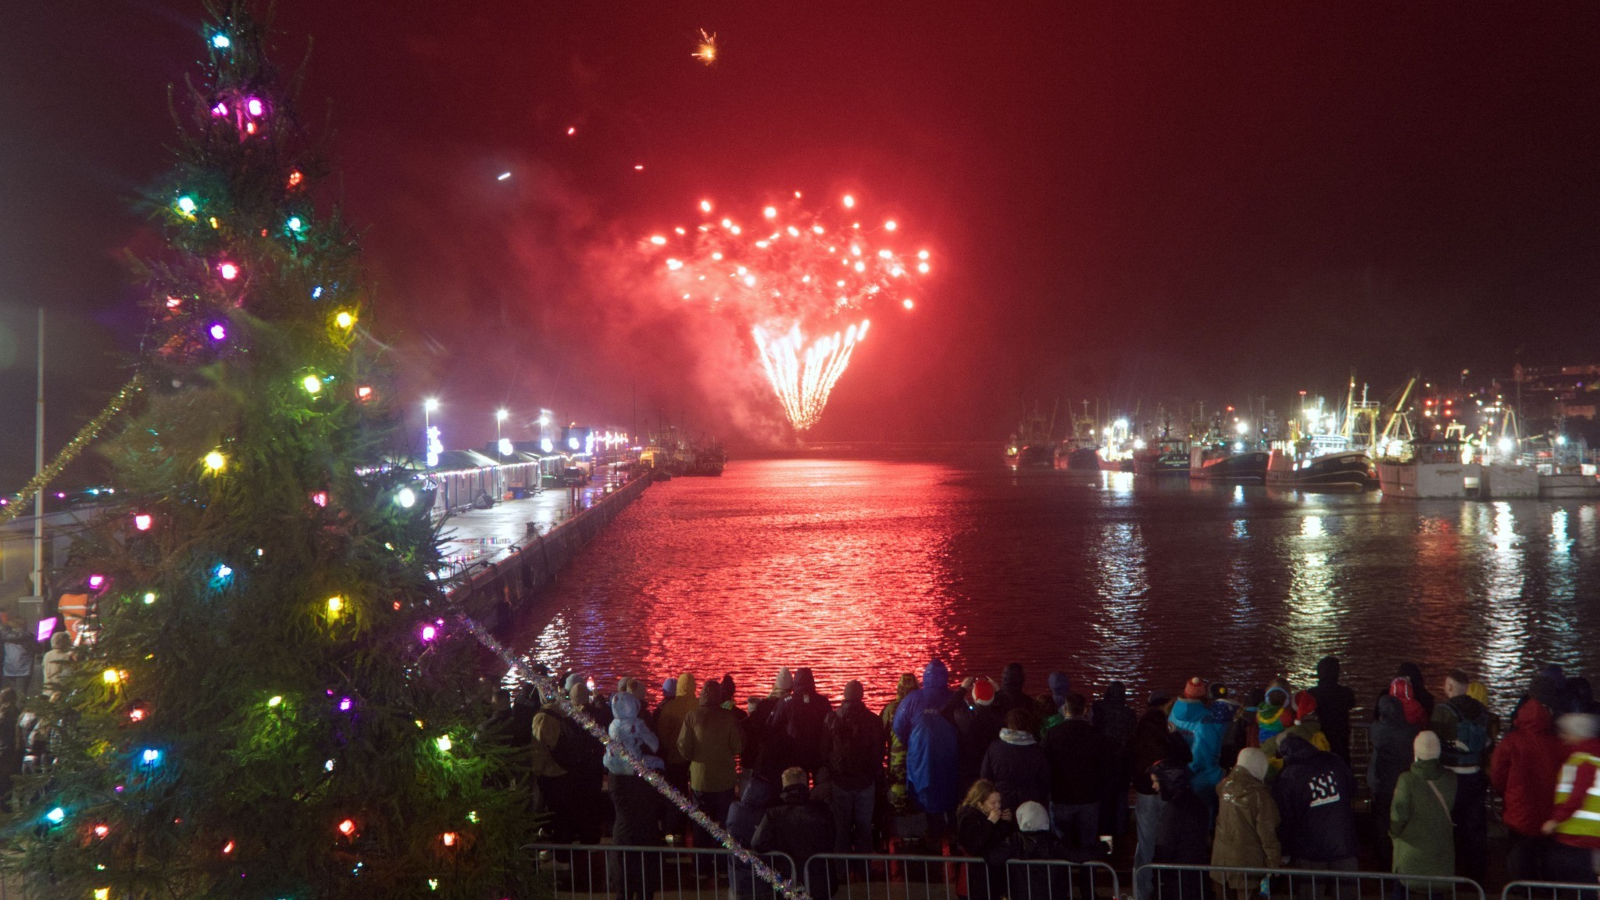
[[221, 41], [295, 224], [151, 756], [56, 816], [316, 292], [221, 574]]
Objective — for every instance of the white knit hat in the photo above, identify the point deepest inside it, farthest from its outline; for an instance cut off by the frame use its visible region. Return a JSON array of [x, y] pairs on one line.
[[1426, 746], [1032, 817]]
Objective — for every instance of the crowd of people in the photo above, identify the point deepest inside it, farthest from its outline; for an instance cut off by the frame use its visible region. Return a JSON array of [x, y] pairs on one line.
[[987, 769]]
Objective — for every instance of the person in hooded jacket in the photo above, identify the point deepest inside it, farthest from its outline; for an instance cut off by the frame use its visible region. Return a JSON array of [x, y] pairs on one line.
[[978, 722], [1182, 838], [637, 805], [1049, 708], [855, 766], [799, 724], [1525, 770], [932, 767], [1247, 824], [935, 694], [899, 793], [1392, 739], [1153, 741], [1191, 716], [1012, 694], [1419, 819], [1411, 673], [571, 770], [710, 741], [1315, 794], [768, 756], [1033, 841], [1078, 762], [1016, 763], [1334, 702], [1274, 714], [669, 723], [1114, 720], [1307, 726], [1462, 725]]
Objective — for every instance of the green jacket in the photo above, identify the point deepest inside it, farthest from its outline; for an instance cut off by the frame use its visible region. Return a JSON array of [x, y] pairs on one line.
[[710, 741], [1419, 821], [1247, 829]]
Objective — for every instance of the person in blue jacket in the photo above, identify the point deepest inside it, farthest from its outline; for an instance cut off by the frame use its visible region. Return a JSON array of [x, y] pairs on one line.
[[1191, 717]]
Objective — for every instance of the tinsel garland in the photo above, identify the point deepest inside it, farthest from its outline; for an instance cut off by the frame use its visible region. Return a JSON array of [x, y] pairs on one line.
[[82, 439], [548, 687]]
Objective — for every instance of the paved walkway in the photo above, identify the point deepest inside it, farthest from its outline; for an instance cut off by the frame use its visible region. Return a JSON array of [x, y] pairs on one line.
[[480, 536]]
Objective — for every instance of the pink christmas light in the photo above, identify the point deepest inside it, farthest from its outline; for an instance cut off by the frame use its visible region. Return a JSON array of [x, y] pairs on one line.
[[254, 106], [143, 521], [429, 632], [96, 582], [218, 331], [220, 110], [228, 271]]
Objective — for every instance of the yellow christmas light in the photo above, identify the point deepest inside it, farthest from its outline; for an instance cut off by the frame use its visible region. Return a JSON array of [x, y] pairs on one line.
[[215, 461], [334, 605], [344, 319]]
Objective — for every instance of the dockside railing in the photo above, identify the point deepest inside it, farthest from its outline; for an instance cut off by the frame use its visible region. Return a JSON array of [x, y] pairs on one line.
[[1173, 882], [617, 872], [1550, 890]]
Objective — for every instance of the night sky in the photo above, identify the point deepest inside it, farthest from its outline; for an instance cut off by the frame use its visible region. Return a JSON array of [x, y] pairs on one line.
[[1124, 201]]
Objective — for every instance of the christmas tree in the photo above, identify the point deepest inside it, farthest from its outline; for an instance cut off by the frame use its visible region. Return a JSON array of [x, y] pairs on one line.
[[278, 699]]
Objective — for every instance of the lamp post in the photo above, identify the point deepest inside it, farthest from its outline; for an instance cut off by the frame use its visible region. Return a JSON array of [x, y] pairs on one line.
[[428, 406], [499, 417]]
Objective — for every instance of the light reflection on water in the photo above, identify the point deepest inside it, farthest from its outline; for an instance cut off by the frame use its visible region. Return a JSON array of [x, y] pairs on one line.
[[865, 569]]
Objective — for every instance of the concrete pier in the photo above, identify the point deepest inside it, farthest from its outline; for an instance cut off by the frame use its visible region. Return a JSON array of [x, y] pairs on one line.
[[505, 555]]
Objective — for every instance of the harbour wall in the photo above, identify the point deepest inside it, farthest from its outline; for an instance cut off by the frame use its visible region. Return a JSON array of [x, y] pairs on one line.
[[493, 595]]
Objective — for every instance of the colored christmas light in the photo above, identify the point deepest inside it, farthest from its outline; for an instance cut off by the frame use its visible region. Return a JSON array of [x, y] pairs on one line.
[[316, 292], [221, 41], [294, 224], [215, 461], [429, 632], [186, 206], [443, 743], [56, 816], [312, 384], [227, 848], [151, 756], [96, 582], [218, 331], [405, 498], [254, 106], [222, 572], [149, 597], [296, 177], [220, 110], [143, 521], [364, 393], [136, 714], [347, 827], [334, 605], [101, 830], [228, 271], [274, 701], [345, 703], [111, 676], [448, 838], [344, 319]]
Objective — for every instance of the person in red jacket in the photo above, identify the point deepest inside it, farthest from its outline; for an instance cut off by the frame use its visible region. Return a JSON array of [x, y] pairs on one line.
[[1523, 770]]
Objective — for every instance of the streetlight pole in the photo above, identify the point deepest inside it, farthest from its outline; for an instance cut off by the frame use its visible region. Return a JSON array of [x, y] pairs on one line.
[[428, 406]]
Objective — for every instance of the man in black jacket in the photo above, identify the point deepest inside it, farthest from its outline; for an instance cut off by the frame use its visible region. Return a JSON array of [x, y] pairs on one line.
[[1314, 793], [1077, 775], [856, 744], [798, 826], [1334, 702]]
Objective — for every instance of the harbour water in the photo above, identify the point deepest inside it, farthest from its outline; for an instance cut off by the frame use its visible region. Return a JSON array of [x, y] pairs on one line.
[[867, 568]]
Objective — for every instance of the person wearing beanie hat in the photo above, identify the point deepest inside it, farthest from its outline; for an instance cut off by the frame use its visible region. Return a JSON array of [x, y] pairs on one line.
[[1192, 716], [1420, 815], [784, 683], [1033, 840], [1247, 824], [978, 724], [1031, 816], [856, 738], [1307, 725]]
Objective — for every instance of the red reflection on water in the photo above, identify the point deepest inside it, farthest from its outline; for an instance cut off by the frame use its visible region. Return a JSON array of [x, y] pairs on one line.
[[835, 565]]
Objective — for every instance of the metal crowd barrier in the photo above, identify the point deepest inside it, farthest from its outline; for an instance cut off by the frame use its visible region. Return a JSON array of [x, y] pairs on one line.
[[870, 876], [1550, 890], [612, 872], [1048, 879], [1195, 883]]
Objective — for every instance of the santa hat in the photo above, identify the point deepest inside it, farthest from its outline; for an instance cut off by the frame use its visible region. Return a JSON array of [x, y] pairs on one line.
[[983, 692], [1304, 705], [1195, 689]]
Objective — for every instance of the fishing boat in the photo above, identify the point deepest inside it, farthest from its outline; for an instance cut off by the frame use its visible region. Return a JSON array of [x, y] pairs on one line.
[[1429, 470], [1233, 463], [1167, 456], [1332, 470], [1031, 447]]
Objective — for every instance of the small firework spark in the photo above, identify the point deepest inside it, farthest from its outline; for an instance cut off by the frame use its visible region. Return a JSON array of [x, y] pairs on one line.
[[706, 52], [786, 272]]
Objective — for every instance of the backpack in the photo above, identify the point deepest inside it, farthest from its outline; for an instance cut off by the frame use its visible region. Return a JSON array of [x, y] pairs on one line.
[[1472, 738]]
